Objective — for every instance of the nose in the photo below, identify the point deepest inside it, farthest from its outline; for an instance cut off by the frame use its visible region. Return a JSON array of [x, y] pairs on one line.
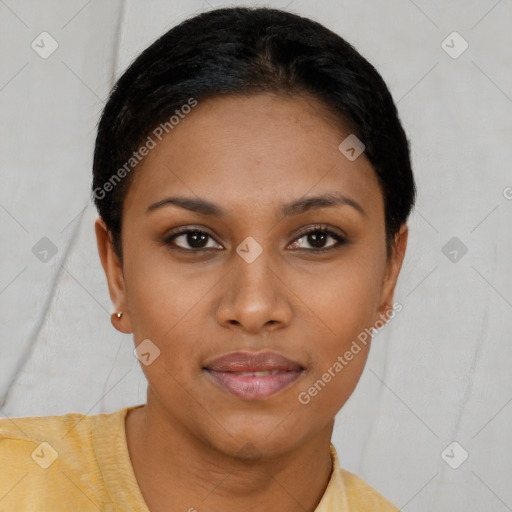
[[254, 296]]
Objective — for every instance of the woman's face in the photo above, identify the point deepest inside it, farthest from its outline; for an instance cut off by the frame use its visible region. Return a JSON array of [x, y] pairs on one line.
[[253, 282]]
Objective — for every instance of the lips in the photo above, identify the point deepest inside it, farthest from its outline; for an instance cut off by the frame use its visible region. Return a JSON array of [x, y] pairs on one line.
[[253, 375]]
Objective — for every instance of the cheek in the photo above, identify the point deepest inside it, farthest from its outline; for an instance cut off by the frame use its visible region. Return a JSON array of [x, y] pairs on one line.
[[168, 305], [161, 296], [331, 385], [344, 302], [344, 297]]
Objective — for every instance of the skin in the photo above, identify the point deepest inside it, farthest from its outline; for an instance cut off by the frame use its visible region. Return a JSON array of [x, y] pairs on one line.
[[249, 155]]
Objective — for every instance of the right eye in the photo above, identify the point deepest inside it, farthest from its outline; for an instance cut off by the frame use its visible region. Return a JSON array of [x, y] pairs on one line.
[[192, 240]]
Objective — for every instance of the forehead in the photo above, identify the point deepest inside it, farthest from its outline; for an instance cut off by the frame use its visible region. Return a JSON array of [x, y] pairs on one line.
[[252, 150]]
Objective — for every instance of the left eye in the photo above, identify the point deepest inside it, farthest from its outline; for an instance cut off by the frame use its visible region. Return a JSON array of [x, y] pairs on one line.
[[317, 238]]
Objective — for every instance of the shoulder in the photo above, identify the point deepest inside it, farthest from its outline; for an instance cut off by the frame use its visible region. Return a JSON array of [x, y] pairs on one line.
[[347, 491], [31, 427], [361, 496], [44, 437], [21, 436], [47, 456]]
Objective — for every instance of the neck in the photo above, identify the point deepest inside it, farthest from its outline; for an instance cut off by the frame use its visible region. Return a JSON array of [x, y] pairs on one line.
[[176, 470]]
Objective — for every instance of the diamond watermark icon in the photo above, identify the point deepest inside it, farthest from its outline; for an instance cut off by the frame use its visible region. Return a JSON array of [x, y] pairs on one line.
[[249, 249], [454, 249], [44, 250], [45, 455], [44, 45], [351, 147], [146, 352], [454, 455], [454, 45]]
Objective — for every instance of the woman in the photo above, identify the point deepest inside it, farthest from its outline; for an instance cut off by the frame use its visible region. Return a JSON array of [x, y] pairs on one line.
[[253, 184]]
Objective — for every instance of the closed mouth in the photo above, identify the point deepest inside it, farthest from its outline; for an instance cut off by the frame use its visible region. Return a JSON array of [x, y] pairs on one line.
[[253, 376]]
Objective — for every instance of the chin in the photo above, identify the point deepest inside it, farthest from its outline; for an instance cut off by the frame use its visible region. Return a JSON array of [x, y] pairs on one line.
[[250, 438]]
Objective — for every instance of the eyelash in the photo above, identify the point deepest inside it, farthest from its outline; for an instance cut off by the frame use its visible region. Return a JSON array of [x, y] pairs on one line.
[[314, 229]]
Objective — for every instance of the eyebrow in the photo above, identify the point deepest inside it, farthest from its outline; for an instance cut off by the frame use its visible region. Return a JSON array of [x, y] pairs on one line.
[[296, 207]]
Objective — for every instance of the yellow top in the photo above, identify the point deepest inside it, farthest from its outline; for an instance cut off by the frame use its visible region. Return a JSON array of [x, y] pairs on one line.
[[80, 462]]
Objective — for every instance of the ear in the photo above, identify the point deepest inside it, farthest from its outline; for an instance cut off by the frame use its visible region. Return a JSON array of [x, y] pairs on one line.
[[392, 271], [114, 273]]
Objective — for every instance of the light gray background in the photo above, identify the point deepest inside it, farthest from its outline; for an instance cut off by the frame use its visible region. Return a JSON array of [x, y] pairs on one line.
[[439, 371]]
